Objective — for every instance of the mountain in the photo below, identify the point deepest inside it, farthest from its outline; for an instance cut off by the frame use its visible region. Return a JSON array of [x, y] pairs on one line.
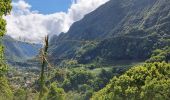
[[118, 30], [18, 51]]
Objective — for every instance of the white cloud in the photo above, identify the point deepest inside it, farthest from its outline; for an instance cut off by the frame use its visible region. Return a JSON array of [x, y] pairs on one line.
[[21, 7], [33, 26]]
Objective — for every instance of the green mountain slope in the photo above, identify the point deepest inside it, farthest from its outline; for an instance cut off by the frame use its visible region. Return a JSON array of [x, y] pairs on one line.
[[118, 30]]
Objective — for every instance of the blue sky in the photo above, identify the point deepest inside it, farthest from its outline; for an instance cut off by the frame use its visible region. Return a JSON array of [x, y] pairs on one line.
[[49, 6]]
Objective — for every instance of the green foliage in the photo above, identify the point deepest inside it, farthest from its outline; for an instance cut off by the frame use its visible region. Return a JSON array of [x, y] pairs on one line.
[[102, 79], [44, 93], [59, 76], [86, 47], [5, 90], [127, 47], [19, 94], [77, 78], [56, 93], [67, 85], [69, 63], [147, 82], [2, 26], [5, 8], [160, 55], [72, 95], [84, 81], [3, 66]]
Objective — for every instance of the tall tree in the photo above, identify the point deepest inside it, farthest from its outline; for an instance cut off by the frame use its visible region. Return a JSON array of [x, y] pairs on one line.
[[5, 92], [44, 65], [5, 8]]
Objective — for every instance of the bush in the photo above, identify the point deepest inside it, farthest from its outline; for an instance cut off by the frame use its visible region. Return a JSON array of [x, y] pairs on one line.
[[19, 94], [56, 93]]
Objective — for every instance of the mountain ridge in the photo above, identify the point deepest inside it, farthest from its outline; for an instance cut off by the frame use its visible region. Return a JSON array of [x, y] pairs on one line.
[[146, 20]]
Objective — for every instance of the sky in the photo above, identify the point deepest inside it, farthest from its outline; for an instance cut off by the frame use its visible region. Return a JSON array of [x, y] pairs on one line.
[[31, 20], [50, 6]]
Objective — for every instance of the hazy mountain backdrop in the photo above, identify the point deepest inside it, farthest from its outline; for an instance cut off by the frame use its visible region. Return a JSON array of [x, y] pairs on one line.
[[18, 51]]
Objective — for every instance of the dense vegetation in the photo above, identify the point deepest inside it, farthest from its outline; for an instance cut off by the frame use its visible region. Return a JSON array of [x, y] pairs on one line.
[[85, 81], [159, 55], [5, 91], [147, 82], [120, 51]]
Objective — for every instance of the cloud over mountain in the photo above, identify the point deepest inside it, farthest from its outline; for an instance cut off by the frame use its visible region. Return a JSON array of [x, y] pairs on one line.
[[33, 26]]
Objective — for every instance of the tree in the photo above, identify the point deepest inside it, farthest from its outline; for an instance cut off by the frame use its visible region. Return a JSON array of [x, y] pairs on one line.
[[160, 55], [5, 8], [150, 81], [43, 88], [56, 93], [5, 91], [20, 94]]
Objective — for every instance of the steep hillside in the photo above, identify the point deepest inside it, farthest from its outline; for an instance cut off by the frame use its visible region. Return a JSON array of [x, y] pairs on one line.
[[118, 30], [19, 51]]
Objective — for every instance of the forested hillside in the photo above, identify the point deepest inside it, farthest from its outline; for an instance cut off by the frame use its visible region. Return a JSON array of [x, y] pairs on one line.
[[118, 30]]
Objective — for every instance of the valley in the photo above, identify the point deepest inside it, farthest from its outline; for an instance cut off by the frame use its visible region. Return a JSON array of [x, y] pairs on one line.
[[120, 51]]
